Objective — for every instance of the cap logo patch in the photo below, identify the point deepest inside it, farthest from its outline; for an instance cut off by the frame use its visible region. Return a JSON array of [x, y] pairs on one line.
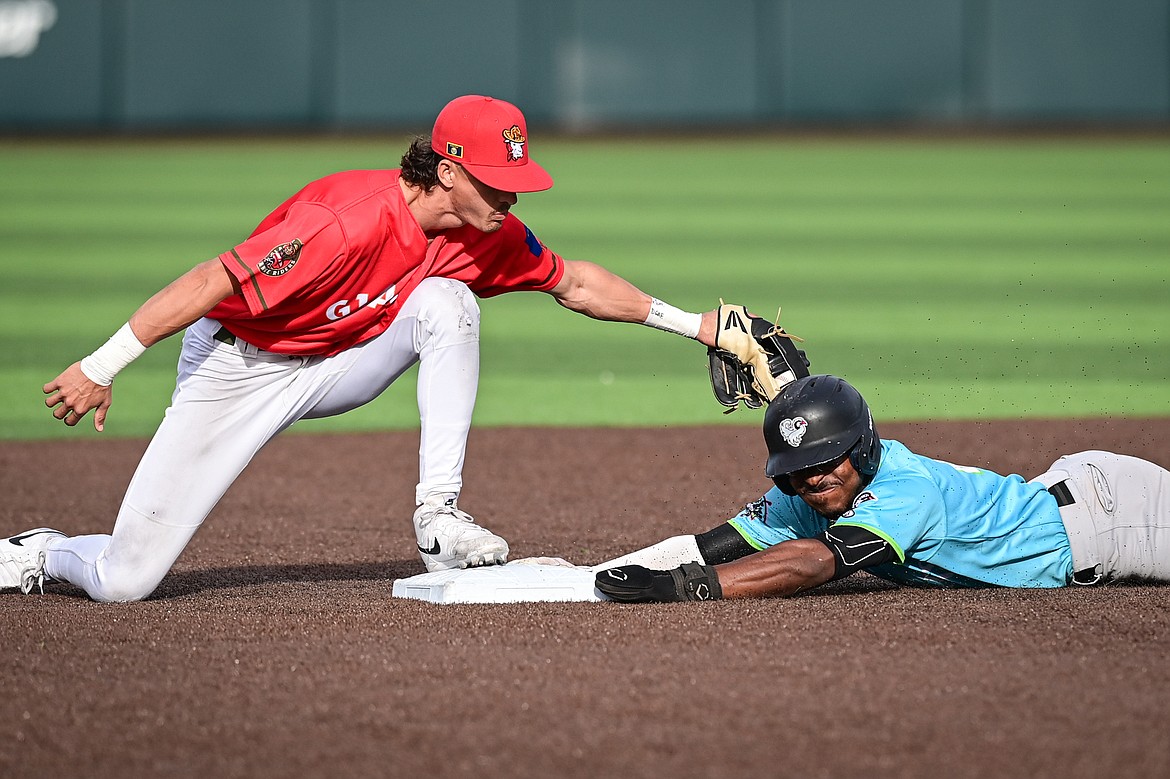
[[515, 140], [454, 150], [792, 430], [281, 260]]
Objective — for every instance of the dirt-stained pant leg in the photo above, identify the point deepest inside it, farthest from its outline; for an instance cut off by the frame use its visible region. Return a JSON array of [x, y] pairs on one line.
[[1122, 506], [230, 400]]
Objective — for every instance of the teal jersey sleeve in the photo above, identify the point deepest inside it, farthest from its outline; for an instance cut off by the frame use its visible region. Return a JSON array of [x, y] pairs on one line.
[[777, 517]]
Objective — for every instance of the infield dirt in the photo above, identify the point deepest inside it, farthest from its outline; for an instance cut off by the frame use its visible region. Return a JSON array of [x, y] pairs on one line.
[[274, 648]]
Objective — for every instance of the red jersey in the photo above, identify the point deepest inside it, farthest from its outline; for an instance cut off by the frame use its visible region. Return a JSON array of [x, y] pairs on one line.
[[332, 265]]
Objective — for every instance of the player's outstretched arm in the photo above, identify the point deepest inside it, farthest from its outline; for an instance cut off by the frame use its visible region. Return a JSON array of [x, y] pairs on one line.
[[87, 385], [596, 292], [784, 569]]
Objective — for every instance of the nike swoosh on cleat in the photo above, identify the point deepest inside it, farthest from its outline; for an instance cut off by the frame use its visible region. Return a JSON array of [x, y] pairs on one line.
[[433, 550], [17, 539]]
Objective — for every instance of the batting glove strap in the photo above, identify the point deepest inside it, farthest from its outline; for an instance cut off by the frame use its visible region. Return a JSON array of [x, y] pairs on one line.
[[693, 581]]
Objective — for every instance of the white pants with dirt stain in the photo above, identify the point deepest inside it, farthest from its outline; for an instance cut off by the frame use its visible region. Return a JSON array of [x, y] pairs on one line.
[[231, 400], [1119, 521]]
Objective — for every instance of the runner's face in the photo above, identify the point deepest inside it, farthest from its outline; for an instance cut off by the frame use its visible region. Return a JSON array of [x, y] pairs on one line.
[[829, 489], [478, 204]]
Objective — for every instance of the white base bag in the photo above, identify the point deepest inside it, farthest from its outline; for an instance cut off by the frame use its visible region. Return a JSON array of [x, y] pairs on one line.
[[516, 582]]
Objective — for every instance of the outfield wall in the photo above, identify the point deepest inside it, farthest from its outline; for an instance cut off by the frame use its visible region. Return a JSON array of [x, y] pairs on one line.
[[579, 64]]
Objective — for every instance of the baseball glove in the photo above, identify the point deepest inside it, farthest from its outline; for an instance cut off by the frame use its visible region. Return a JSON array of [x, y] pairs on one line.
[[752, 360]]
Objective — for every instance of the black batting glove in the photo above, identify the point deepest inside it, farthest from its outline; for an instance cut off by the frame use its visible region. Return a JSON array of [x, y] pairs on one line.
[[636, 584]]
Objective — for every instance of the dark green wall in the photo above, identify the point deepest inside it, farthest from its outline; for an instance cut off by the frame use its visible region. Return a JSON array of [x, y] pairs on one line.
[[577, 64]]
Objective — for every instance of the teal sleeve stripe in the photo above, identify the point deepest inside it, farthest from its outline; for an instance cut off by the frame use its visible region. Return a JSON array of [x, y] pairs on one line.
[[746, 536], [893, 544]]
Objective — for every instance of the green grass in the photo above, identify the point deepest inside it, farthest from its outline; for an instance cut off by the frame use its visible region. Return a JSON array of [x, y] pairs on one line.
[[947, 279]]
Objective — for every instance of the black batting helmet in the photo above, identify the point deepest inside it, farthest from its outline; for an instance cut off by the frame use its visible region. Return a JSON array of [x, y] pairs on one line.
[[815, 420]]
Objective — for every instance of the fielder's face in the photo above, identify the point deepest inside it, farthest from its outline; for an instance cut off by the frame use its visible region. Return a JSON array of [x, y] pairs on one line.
[[830, 488], [477, 204]]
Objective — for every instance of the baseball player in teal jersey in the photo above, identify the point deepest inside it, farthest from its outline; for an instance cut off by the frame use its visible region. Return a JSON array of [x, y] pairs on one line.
[[844, 501]]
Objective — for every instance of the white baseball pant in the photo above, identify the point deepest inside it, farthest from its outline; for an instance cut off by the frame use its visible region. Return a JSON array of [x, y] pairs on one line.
[[1119, 519], [230, 400]]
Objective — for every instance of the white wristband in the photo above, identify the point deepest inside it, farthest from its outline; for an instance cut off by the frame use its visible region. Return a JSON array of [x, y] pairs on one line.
[[115, 354], [664, 316]]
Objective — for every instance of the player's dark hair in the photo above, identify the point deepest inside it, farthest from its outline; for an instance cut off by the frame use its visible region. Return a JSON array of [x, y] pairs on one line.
[[420, 164]]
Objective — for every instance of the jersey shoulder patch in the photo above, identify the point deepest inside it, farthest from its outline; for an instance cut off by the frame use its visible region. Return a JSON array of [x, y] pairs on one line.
[[281, 259], [864, 497]]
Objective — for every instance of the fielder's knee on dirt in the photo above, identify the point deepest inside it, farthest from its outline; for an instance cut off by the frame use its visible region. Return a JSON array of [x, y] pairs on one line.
[[83, 562], [139, 553], [124, 586], [128, 577]]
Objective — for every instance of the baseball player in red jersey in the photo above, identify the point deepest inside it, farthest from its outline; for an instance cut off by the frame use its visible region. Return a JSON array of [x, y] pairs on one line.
[[334, 295]]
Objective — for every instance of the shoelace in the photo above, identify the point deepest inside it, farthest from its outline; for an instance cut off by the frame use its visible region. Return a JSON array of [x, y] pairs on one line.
[[450, 511], [33, 576]]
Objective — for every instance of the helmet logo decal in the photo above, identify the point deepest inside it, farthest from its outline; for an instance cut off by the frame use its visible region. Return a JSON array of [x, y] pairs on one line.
[[792, 430]]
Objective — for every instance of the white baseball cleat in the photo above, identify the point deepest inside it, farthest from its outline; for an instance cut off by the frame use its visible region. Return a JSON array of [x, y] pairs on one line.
[[22, 559], [449, 538]]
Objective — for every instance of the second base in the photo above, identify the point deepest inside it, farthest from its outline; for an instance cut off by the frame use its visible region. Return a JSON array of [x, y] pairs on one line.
[[501, 584]]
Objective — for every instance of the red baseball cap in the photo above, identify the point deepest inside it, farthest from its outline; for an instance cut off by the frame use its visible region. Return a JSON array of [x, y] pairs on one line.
[[489, 138]]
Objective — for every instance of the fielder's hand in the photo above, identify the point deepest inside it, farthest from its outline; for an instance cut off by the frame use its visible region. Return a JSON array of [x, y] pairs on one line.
[[72, 395], [752, 360], [636, 584]]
